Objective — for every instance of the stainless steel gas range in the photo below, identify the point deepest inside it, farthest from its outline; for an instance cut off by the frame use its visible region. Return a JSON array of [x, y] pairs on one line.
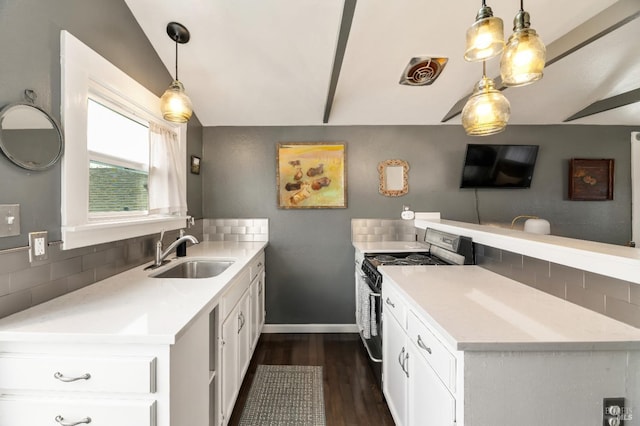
[[441, 249]]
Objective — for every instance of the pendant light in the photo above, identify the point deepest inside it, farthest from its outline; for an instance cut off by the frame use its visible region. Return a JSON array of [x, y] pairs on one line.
[[485, 38], [487, 110], [174, 103], [524, 56]]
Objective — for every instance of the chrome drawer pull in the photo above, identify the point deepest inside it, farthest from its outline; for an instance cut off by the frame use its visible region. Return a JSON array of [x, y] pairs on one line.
[[58, 375], [84, 421], [422, 345], [390, 303]]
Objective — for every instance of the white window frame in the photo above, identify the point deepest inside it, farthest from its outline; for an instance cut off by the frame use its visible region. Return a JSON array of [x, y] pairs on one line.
[[85, 73]]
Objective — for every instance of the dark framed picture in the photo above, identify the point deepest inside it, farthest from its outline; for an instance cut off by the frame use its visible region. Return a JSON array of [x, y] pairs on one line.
[[591, 179], [195, 165], [311, 175]]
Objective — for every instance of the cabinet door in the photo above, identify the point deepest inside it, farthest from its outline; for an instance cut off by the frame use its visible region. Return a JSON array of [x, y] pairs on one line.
[[257, 309], [228, 371], [394, 361], [253, 301], [261, 304], [430, 403], [244, 337], [17, 410]]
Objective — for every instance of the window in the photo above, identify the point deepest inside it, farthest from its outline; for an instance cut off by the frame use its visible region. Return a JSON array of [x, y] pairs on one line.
[[124, 168], [118, 147]]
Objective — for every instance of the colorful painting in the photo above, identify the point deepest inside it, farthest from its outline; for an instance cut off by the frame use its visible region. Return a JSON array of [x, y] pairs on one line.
[[311, 175]]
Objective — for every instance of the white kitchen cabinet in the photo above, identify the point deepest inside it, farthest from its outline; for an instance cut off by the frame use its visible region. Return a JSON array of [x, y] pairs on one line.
[[242, 313], [137, 385], [484, 350], [131, 350], [429, 401], [27, 411], [257, 298], [394, 374], [414, 392]]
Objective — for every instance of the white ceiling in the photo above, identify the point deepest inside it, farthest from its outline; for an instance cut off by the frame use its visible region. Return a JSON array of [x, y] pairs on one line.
[[269, 62]]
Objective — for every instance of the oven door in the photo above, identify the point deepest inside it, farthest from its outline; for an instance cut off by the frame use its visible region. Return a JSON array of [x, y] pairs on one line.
[[369, 318]]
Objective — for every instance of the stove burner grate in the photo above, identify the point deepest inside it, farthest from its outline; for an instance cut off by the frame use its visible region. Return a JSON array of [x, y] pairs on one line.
[[385, 258]]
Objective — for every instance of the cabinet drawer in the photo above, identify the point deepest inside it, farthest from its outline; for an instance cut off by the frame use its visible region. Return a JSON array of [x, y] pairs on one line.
[[69, 373], [434, 352], [257, 266], [16, 410], [234, 293], [394, 304]]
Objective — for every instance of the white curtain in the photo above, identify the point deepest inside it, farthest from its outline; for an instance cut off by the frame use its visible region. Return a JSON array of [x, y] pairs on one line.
[[167, 172]]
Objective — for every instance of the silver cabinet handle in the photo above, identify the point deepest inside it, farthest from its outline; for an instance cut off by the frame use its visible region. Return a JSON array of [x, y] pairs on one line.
[[390, 303], [400, 358], [422, 345], [406, 370], [84, 421], [58, 375]]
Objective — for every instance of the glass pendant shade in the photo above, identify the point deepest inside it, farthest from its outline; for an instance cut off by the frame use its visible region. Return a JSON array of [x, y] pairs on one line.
[[175, 105], [485, 38], [524, 56], [487, 111]]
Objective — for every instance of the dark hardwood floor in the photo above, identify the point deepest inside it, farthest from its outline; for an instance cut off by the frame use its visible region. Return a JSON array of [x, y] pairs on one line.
[[351, 396]]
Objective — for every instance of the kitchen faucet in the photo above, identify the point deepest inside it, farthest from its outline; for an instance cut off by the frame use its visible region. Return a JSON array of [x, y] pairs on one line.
[[161, 255]]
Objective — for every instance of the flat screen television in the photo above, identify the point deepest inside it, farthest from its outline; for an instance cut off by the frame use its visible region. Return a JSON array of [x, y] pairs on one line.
[[498, 166]]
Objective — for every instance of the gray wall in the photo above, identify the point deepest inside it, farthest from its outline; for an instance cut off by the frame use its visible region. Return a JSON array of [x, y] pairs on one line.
[[310, 257], [30, 30]]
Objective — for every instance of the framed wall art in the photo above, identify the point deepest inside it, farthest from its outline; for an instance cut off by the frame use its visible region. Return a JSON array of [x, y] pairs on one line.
[[590, 179], [311, 175]]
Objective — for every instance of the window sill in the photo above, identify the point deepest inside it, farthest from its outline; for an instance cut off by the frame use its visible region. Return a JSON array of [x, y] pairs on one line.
[[103, 232]]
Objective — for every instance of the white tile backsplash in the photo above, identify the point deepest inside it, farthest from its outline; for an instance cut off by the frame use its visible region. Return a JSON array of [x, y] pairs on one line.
[[236, 229]]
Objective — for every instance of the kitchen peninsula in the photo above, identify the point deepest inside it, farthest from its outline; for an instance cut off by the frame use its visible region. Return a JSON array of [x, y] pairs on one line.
[[147, 350], [472, 345]]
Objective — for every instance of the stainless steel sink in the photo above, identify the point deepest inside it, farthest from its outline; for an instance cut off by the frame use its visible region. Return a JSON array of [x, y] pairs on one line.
[[195, 269]]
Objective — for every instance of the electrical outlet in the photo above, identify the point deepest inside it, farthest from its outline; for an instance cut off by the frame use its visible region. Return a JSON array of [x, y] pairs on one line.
[[38, 243], [614, 412]]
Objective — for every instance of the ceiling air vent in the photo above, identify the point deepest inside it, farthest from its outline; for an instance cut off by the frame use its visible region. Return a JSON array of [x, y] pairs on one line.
[[422, 71]]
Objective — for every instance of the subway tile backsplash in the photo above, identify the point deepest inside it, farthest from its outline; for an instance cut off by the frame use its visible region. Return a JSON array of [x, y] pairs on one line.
[[24, 284], [235, 229], [614, 298], [377, 230]]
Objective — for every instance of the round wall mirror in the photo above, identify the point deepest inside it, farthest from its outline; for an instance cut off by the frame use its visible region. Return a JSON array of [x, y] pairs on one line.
[[30, 137]]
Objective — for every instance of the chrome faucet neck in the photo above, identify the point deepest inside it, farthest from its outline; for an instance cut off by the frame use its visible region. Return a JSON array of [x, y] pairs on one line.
[[161, 255]]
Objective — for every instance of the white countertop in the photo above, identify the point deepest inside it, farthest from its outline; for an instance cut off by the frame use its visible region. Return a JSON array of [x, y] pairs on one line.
[[131, 307], [476, 309], [390, 246], [606, 259]]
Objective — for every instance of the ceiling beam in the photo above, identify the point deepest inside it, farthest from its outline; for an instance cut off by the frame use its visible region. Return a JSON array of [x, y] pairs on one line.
[[607, 21], [627, 98], [343, 36]]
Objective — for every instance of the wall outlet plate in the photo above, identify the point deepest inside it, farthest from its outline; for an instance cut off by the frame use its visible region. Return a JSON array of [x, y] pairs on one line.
[[38, 246], [614, 412]]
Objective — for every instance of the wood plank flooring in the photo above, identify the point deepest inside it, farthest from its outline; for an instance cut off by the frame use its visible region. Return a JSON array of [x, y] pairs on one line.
[[351, 396]]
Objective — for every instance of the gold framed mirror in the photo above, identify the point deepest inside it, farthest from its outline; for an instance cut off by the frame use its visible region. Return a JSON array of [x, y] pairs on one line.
[[394, 178]]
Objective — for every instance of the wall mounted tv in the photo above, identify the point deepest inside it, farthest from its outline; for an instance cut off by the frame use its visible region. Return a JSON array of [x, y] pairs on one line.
[[498, 166]]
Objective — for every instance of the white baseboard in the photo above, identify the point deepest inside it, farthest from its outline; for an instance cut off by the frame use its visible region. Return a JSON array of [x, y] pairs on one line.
[[310, 328]]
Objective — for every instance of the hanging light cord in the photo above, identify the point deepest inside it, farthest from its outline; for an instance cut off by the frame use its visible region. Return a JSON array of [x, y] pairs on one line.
[[521, 5], [484, 69], [176, 61]]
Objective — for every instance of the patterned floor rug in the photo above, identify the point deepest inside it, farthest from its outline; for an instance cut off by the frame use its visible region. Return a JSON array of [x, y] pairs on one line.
[[285, 395]]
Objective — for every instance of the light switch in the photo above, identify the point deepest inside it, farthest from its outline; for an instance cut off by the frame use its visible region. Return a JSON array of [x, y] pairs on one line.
[[9, 220]]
